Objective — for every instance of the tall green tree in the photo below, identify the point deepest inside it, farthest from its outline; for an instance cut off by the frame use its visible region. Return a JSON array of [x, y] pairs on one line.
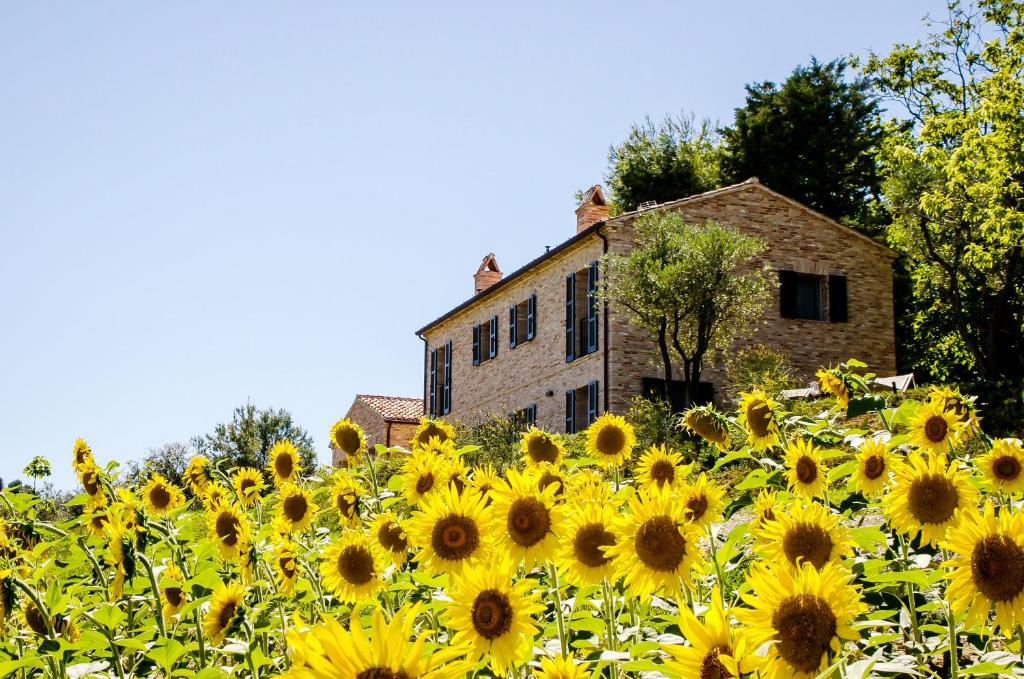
[[954, 183], [673, 159], [812, 138], [168, 460], [694, 287], [246, 440]]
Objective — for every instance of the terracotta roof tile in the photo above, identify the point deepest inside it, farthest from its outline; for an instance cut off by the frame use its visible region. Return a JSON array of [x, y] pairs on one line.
[[394, 408]]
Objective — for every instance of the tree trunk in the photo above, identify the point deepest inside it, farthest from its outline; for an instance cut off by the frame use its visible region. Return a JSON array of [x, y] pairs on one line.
[[665, 356]]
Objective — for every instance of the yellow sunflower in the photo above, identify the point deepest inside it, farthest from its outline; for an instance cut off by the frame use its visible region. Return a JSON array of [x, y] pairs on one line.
[[350, 569], [589, 531], [806, 474], [423, 474], [703, 502], [766, 512], [951, 400], [392, 649], [81, 456], [89, 474], [806, 534], [120, 554], [214, 495], [283, 463], [197, 474], [229, 528], [451, 531], [925, 496], [660, 466], [458, 473], [227, 609], [610, 440], [429, 429], [709, 424], [527, 521], [95, 519], [483, 480], [588, 484], [832, 382], [348, 437], [757, 415], [286, 566], [347, 495], [561, 667], [391, 537], [1003, 466], [539, 446], [494, 616], [932, 429], [801, 614], [716, 650], [296, 508], [161, 496], [249, 485], [172, 591], [439, 447], [988, 567], [656, 547], [875, 462], [546, 474]]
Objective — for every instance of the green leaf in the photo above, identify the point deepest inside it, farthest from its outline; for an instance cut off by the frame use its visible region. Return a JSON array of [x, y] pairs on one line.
[[166, 653], [741, 454], [904, 413], [863, 405]]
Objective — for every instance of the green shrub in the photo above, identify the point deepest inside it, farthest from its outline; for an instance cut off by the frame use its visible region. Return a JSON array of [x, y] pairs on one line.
[[757, 366]]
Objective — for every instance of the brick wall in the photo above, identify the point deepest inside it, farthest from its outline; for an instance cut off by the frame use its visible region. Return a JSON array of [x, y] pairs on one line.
[[376, 429], [798, 239]]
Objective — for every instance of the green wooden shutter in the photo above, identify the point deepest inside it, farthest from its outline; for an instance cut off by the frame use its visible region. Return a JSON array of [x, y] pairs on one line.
[[570, 411], [531, 316], [570, 317], [592, 308], [513, 325], [476, 345]]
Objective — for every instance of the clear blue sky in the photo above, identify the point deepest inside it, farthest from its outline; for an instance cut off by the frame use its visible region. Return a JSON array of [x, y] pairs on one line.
[[207, 203]]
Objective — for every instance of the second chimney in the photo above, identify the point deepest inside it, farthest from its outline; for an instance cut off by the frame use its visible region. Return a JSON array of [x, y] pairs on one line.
[[593, 208], [487, 275]]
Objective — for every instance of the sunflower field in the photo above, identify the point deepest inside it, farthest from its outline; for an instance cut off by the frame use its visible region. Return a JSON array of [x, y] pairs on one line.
[[868, 540]]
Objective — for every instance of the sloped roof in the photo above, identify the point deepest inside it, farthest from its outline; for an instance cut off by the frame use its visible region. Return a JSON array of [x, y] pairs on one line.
[[394, 408]]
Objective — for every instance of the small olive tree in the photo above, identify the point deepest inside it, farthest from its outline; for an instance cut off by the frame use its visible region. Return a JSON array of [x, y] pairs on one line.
[[695, 287]]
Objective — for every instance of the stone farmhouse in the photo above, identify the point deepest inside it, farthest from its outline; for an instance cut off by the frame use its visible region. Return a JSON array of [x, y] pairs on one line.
[[387, 420], [536, 343]]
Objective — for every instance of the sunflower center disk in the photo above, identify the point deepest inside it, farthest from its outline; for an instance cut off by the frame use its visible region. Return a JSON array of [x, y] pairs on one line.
[[455, 537], [348, 441], [935, 429], [390, 537], [663, 472], [547, 479], [287, 566], [355, 565], [1007, 468], [997, 568], [425, 482], [711, 667], [804, 627], [432, 431], [806, 470], [528, 521], [809, 543], [706, 426], [610, 440], [246, 485], [660, 545], [283, 465], [159, 497], [759, 418], [932, 498], [173, 595], [382, 673], [295, 507], [227, 529], [587, 544], [492, 614], [696, 506], [346, 504], [874, 467], [226, 615], [542, 449]]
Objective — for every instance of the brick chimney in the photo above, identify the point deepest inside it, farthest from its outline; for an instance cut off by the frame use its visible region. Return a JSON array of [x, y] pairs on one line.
[[593, 208], [487, 275]]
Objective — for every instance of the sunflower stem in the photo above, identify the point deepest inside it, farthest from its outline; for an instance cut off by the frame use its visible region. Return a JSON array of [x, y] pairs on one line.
[[373, 479], [718, 567], [157, 607], [562, 640], [911, 603], [200, 637], [954, 663]]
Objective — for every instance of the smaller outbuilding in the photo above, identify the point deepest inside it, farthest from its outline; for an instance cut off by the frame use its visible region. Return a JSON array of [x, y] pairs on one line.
[[387, 420]]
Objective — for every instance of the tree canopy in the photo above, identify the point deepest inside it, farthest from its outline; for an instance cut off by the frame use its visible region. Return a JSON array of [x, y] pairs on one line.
[[812, 138], [246, 440]]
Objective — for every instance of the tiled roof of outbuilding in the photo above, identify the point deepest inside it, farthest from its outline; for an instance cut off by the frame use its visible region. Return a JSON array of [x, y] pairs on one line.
[[394, 408]]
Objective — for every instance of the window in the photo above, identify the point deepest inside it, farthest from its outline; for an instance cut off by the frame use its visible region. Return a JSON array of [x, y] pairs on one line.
[[526, 417], [807, 296], [581, 407], [522, 321], [581, 312], [440, 379], [485, 341]]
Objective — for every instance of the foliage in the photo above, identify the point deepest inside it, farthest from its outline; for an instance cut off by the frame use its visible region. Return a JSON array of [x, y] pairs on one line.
[[953, 183], [812, 138], [246, 440], [168, 460], [674, 159], [655, 423], [757, 366], [37, 468], [82, 596], [692, 286], [497, 439]]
